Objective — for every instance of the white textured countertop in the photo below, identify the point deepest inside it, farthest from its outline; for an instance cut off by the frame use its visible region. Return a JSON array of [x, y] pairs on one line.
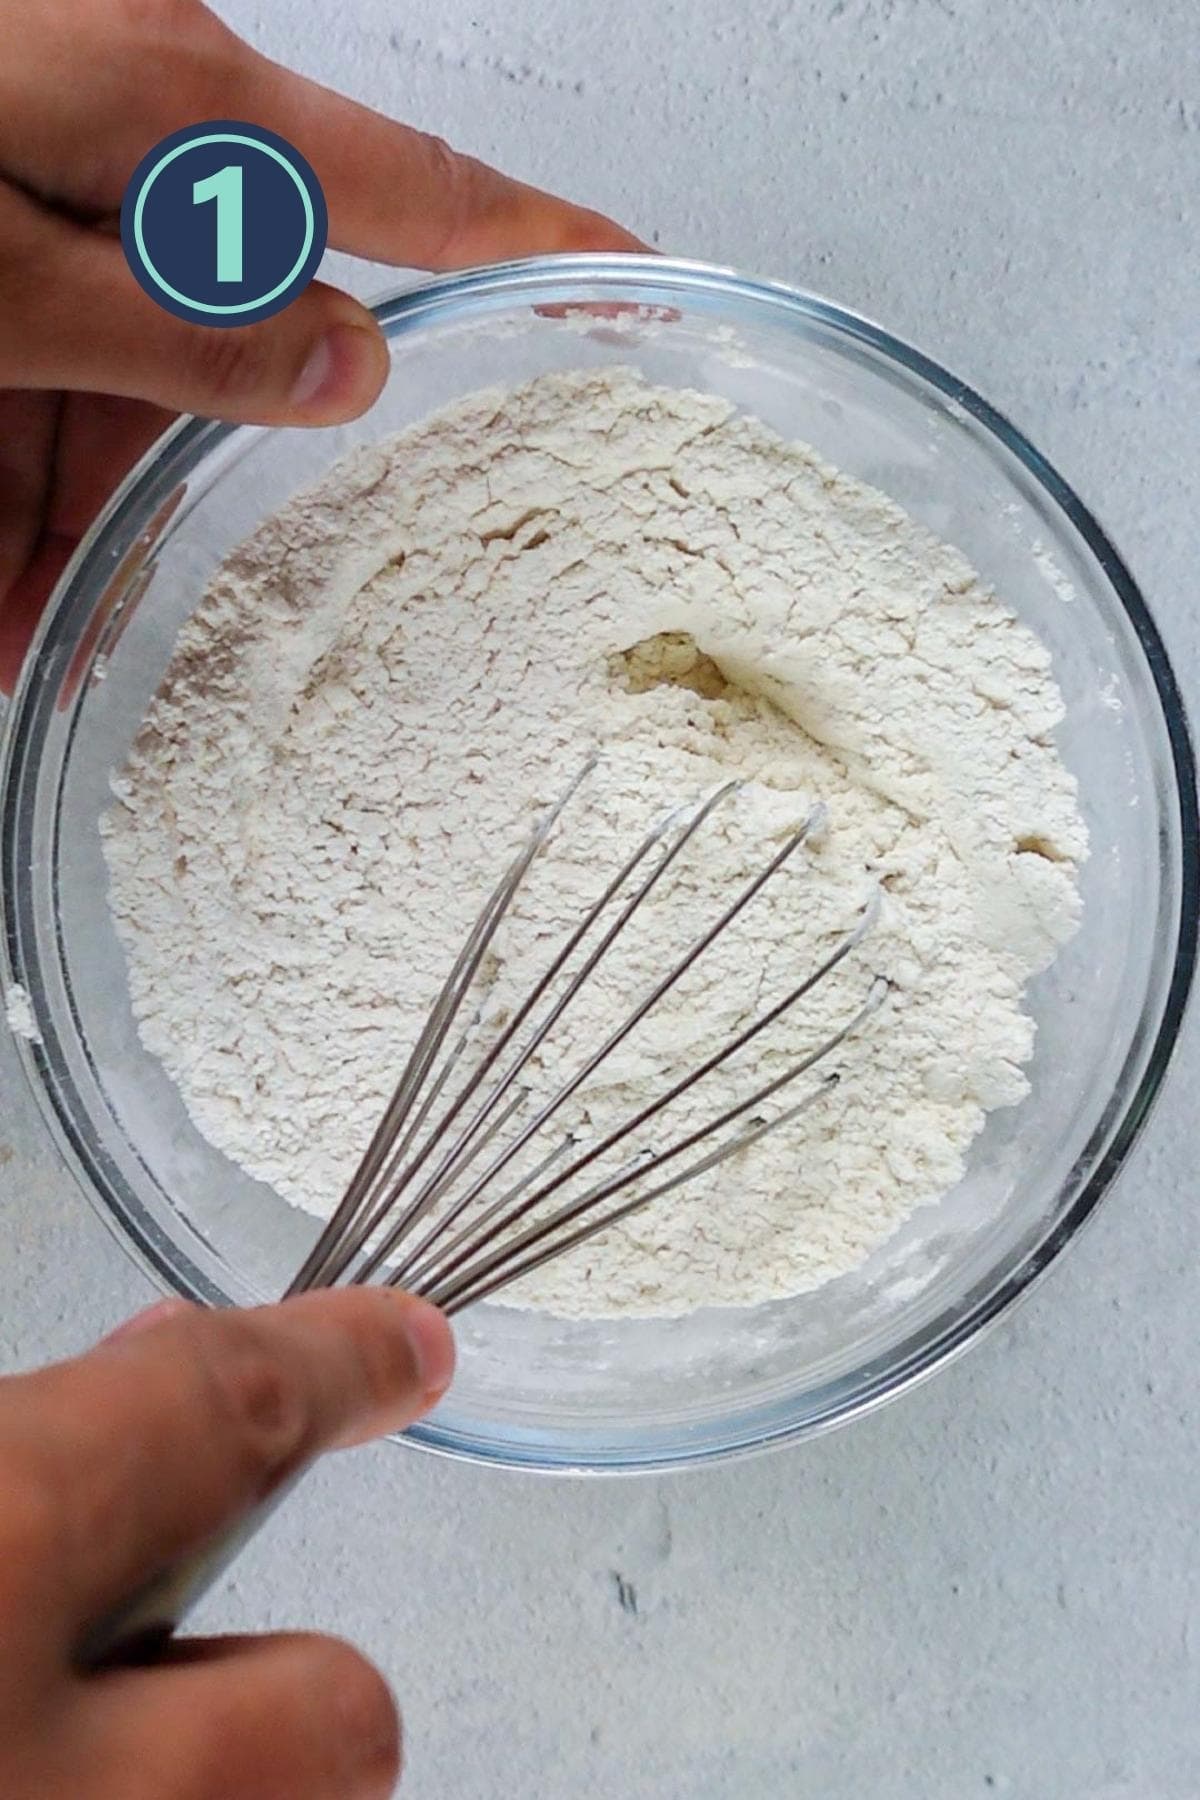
[[992, 1587]]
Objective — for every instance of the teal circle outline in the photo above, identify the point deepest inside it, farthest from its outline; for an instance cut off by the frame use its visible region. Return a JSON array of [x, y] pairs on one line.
[[222, 137]]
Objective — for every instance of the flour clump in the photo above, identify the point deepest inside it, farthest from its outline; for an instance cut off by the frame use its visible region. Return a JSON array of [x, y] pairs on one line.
[[384, 684]]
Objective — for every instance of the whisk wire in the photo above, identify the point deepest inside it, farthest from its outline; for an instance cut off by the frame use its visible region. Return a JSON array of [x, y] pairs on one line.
[[468, 1251], [606, 1190], [337, 1244], [507, 1265], [468, 1293], [468, 1146], [417, 1267], [565, 1092]]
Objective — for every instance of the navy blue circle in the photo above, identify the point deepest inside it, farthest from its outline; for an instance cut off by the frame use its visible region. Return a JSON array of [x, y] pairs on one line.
[[178, 248]]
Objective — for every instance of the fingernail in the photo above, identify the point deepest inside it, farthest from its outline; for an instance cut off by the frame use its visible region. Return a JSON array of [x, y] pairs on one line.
[[335, 367], [433, 1346], [150, 1315]]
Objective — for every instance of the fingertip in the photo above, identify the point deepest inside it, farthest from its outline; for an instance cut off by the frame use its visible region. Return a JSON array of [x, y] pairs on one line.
[[585, 230], [366, 1722], [432, 1340], [142, 1321], [286, 1714], [407, 1352], [341, 374], [403, 1355]]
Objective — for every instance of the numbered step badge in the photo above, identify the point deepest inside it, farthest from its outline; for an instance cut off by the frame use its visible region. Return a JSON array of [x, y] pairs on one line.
[[224, 223]]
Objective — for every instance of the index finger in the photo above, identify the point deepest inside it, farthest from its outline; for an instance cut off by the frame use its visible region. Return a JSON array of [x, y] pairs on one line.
[[394, 194], [121, 1461], [401, 196]]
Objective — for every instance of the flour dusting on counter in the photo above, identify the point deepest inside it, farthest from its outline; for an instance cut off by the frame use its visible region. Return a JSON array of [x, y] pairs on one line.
[[385, 683], [18, 1012]]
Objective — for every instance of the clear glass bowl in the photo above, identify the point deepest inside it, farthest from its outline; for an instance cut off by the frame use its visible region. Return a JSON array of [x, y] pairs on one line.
[[532, 1390]]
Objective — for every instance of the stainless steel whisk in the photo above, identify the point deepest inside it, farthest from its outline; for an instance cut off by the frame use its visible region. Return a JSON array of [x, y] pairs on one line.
[[414, 1214], [439, 1203]]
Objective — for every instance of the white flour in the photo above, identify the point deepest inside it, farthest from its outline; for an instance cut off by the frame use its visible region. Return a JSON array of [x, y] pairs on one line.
[[18, 1013], [387, 681]]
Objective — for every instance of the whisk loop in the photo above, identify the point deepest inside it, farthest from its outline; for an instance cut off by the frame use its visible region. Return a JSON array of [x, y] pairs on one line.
[[422, 1211]]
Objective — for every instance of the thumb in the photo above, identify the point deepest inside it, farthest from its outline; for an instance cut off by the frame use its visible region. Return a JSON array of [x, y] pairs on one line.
[[82, 323], [185, 1418]]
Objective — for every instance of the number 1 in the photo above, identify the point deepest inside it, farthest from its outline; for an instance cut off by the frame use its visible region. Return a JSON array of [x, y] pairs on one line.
[[225, 187]]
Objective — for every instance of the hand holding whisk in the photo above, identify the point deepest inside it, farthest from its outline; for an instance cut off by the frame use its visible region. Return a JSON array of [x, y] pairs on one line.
[[441, 1202]]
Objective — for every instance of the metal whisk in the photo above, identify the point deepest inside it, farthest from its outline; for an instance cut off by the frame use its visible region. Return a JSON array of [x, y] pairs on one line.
[[423, 1211], [440, 1203]]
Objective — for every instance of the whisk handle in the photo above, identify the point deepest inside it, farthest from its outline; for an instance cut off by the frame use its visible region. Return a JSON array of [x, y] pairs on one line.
[[137, 1630]]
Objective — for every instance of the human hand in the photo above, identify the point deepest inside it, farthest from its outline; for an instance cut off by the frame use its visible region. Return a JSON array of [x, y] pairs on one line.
[[119, 1463], [91, 369]]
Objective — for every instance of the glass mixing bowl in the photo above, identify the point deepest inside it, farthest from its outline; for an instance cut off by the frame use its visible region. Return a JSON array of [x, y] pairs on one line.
[[626, 1394]]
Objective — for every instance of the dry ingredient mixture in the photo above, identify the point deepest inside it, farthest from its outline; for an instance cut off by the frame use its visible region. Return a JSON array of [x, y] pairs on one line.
[[387, 681]]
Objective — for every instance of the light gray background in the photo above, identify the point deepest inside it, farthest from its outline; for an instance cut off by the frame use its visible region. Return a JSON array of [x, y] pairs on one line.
[[993, 1587]]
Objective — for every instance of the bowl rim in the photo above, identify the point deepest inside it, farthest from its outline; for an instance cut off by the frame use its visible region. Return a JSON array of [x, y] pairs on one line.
[[131, 509]]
